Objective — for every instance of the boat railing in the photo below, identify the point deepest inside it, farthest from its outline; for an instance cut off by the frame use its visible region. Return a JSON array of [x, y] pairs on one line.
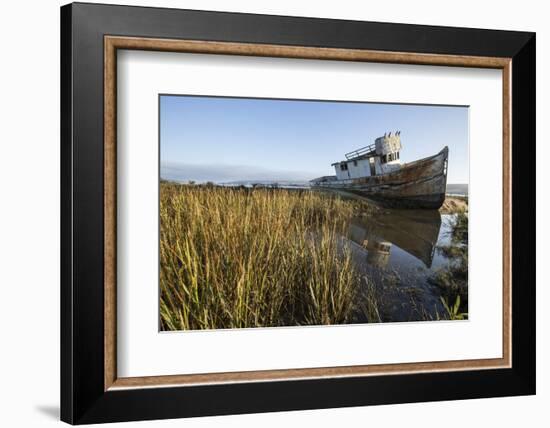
[[371, 148]]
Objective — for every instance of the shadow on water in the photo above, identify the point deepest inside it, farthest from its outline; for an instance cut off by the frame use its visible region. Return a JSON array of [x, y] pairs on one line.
[[397, 251]]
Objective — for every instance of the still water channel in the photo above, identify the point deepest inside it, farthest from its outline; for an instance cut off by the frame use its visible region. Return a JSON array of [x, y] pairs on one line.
[[400, 254]]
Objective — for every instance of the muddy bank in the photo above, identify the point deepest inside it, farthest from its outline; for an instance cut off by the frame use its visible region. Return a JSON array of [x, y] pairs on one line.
[[454, 204]]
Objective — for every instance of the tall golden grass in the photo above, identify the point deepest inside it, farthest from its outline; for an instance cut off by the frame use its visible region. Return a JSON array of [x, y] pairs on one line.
[[237, 258]]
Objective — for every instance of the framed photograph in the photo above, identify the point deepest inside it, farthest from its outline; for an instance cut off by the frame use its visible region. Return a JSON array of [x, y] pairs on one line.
[[266, 213]]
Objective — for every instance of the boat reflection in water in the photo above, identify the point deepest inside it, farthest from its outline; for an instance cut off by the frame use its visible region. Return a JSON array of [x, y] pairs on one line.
[[414, 231], [397, 251]]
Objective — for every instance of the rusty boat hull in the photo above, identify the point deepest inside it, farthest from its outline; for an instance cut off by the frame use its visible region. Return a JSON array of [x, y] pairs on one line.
[[416, 185]]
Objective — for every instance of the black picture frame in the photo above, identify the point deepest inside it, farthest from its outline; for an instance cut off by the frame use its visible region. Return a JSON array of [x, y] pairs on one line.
[[83, 399]]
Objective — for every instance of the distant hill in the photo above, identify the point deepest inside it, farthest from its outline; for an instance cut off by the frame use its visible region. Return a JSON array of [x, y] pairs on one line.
[[457, 189]]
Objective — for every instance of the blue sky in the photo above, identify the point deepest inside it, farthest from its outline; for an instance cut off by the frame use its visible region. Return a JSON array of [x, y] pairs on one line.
[[229, 139]]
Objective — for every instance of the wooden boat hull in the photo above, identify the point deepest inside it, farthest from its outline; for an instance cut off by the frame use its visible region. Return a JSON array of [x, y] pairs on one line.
[[416, 185]]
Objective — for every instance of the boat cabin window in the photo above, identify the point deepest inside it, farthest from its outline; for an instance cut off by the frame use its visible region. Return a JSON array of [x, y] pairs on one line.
[[344, 166], [389, 157]]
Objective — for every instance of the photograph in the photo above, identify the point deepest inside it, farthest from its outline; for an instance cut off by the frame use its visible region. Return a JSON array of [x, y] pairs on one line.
[[287, 213]]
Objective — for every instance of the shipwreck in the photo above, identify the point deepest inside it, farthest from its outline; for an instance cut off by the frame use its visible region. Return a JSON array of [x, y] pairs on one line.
[[376, 172]]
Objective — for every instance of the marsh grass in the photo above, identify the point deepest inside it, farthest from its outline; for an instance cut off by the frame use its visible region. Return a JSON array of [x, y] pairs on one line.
[[453, 281], [237, 258]]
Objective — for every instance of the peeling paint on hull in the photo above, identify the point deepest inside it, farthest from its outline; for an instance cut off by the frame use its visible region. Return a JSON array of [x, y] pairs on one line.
[[419, 184]]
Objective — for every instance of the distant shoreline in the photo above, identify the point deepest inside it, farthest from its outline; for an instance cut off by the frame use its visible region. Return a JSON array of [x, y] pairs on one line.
[[454, 189]]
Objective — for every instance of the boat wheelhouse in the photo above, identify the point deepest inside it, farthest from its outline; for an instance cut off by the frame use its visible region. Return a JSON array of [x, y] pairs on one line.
[[377, 173], [379, 158]]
